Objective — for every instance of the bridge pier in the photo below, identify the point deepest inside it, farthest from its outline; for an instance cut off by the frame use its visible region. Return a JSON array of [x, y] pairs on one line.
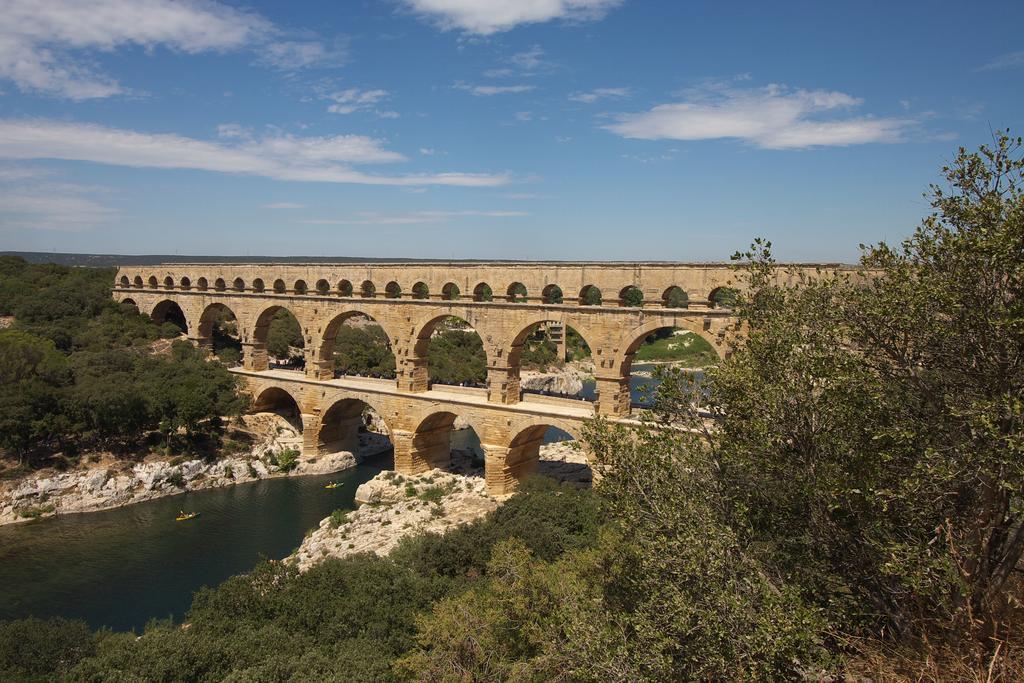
[[503, 385], [254, 356], [613, 396]]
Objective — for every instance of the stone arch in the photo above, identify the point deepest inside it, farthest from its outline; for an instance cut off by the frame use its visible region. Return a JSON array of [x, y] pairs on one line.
[[257, 285], [274, 399], [202, 284], [631, 296], [217, 334], [341, 424], [514, 346], [675, 297], [323, 287], [450, 292], [367, 290], [552, 294], [279, 286], [635, 337], [420, 290], [124, 281], [137, 282], [128, 301], [722, 297], [430, 445], [261, 329], [219, 285], [168, 282], [330, 333], [186, 283], [393, 290], [516, 292], [169, 311], [300, 287], [238, 285], [590, 295], [345, 288], [421, 351], [483, 292], [522, 456], [152, 282]]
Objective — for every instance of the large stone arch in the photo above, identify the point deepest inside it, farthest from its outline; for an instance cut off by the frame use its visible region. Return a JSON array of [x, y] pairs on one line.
[[507, 465], [207, 321], [340, 423], [329, 332], [254, 336], [276, 399], [165, 310], [417, 370], [632, 339], [429, 443]]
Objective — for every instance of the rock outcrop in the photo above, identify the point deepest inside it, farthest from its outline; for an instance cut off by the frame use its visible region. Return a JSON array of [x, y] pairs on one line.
[[568, 380]]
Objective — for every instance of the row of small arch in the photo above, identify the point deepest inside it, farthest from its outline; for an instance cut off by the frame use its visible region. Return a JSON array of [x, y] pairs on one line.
[[673, 297]]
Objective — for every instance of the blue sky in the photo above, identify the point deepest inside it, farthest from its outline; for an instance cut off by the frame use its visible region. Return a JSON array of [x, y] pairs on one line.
[[533, 129]]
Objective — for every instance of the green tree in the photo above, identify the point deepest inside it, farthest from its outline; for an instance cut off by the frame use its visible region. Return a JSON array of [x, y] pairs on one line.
[[283, 334]]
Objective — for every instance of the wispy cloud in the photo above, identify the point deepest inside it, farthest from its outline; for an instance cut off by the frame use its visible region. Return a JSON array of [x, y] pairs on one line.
[[773, 117], [282, 157], [283, 205], [292, 55], [591, 96], [353, 99], [411, 218], [1011, 60], [31, 200], [488, 90], [485, 17]]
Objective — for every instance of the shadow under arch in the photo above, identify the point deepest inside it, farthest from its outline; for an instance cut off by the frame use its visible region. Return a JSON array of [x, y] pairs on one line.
[[219, 331], [280, 402], [353, 425], [355, 343], [168, 311], [432, 444], [562, 461], [450, 351]]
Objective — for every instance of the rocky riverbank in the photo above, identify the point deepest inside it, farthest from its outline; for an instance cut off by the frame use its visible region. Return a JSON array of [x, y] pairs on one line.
[[566, 380], [393, 506], [111, 483]]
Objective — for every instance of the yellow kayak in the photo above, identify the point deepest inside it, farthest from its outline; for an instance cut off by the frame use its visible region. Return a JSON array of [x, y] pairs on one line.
[[332, 485], [185, 515]]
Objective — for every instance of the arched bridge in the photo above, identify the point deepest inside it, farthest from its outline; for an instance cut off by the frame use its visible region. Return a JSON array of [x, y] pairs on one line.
[[613, 306]]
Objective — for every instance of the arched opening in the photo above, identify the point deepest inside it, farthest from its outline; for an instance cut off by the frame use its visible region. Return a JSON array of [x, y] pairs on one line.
[[443, 440], [723, 297], [129, 306], [279, 402], [546, 450], [652, 347], [552, 294], [219, 285], [168, 282], [186, 284], [171, 319], [218, 329], [152, 282], [368, 289], [277, 331], [124, 281], [238, 285], [631, 297], [357, 346], [675, 297], [393, 290], [590, 296], [482, 292], [201, 284], [323, 287], [454, 352], [257, 285], [516, 292], [352, 425], [300, 287], [552, 359], [450, 292], [279, 286], [345, 288], [138, 282], [420, 291]]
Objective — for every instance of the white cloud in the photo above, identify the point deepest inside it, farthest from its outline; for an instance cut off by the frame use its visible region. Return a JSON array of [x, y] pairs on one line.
[[591, 96], [530, 60], [291, 55], [283, 205], [488, 90], [412, 218], [282, 157], [35, 38], [485, 17], [1012, 60], [354, 99], [773, 117], [524, 116]]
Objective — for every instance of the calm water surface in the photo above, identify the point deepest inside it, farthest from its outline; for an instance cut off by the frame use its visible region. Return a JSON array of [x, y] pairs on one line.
[[121, 567]]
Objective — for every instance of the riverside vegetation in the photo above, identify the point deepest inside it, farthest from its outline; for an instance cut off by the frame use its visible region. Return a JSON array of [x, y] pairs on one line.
[[857, 509]]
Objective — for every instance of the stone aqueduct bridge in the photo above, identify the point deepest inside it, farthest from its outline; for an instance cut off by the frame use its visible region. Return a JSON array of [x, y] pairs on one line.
[[409, 300]]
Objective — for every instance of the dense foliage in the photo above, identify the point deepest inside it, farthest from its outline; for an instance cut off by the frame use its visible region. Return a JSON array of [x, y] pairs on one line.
[[77, 370]]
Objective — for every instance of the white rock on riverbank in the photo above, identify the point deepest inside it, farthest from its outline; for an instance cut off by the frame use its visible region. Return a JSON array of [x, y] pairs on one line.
[[113, 484], [393, 506], [568, 380]]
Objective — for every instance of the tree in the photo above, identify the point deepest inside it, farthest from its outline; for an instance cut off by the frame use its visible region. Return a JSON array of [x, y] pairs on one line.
[[283, 334]]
